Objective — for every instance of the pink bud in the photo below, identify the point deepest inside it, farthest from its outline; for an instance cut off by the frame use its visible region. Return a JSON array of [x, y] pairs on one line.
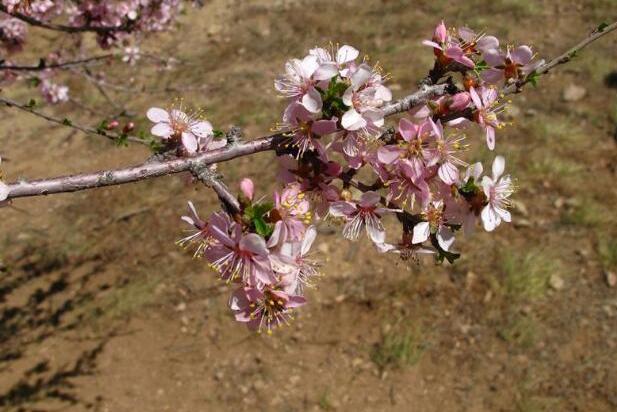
[[247, 187], [112, 125], [128, 127]]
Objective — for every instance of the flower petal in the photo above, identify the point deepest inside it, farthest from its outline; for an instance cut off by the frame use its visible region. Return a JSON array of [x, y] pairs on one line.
[[201, 129], [346, 54], [189, 141], [162, 130], [157, 115], [421, 232], [312, 100], [499, 165], [445, 238]]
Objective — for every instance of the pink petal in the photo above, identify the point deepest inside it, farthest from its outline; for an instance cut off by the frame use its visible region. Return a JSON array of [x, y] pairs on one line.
[[521, 55], [254, 243], [388, 154], [342, 209], [492, 76], [408, 129], [448, 173], [493, 58], [369, 199], [324, 127], [475, 98], [489, 218]]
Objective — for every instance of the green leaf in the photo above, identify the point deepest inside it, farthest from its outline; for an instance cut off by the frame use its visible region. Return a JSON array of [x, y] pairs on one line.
[[262, 228], [533, 79], [602, 26], [218, 133], [31, 104], [67, 122]]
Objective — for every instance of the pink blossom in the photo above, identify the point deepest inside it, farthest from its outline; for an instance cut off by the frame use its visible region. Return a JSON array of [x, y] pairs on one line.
[[509, 66], [264, 309], [363, 214], [292, 261], [445, 153], [298, 83], [178, 125], [487, 109], [54, 93], [330, 66], [306, 130], [435, 223], [407, 185], [471, 42], [241, 256], [497, 190], [131, 55], [292, 209], [364, 97], [446, 49]]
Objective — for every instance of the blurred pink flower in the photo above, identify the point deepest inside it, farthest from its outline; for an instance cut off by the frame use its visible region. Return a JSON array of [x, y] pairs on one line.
[[497, 190]]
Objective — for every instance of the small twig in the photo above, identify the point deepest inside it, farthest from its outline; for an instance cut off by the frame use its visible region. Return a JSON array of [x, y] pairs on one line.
[[67, 123], [43, 65], [212, 180]]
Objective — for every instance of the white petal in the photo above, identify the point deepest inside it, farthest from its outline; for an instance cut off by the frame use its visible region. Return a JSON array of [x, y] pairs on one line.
[[201, 129], [421, 232], [499, 164], [346, 53], [189, 141], [312, 100], [445, 238], [326, 71], [361, 76], [4, 191], [162, 130], [352, 120], [309, 238], [157, 115], [490, 220]]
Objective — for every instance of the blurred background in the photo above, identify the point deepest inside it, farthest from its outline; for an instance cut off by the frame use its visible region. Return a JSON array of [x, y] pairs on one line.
[[100, 311]]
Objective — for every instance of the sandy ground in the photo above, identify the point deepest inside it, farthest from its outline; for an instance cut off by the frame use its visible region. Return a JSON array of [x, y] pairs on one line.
[[101, 311]]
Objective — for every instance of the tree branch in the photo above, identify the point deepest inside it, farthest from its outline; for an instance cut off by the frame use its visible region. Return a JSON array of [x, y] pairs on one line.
[[155, 169], [60, 27], [65, 122], [44, 66]]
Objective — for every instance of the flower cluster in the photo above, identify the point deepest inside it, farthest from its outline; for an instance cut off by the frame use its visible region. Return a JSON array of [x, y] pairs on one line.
[[334, 131], [263, 250], [116, 23]]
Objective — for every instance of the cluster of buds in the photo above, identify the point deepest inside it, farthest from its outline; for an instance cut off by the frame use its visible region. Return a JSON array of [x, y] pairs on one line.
[[334, 127]]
